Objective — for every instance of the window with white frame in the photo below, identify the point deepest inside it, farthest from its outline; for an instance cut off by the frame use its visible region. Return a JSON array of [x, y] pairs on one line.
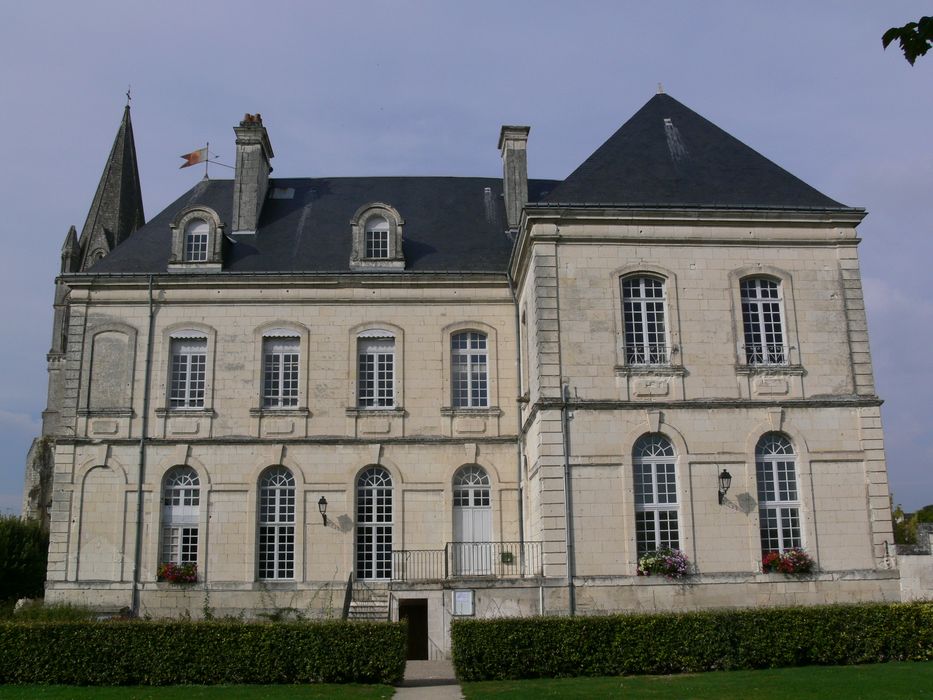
[[276, 551], [377, 238], [656, 521], [197, 233], [181, 498], [374, 524], [778, 497], [762, 322], [188, 372], [376, 370], [471, 487], [643, 311], [280, 362], [469, 371]]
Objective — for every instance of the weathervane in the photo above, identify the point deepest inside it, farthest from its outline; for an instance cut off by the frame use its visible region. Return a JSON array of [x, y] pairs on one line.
[[128, 95]]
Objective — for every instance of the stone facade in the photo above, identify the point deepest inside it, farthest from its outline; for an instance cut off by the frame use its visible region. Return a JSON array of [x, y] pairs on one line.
[[554, 427]]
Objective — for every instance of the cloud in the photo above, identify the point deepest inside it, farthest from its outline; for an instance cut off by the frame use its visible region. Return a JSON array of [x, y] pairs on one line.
[[20, 422]]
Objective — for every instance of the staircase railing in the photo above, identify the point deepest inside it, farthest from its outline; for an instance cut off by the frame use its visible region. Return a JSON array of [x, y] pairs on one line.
[[348, 597]]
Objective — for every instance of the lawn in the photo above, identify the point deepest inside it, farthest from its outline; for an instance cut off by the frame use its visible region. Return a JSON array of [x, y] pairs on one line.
[[196, 692], [892, 680]]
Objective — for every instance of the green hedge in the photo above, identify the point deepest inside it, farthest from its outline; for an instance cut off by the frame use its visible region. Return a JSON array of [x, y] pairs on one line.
[[691, 642], [24, 550], [169, 653]]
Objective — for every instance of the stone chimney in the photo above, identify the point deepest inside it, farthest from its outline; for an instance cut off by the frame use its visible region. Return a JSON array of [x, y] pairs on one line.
[[513, 145], [253, 153]]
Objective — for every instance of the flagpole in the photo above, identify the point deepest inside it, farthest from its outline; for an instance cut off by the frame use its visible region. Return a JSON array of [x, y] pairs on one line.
[[207, 159]]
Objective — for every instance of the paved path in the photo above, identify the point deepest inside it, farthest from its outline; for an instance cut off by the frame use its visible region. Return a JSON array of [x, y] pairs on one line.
[[429, 680]]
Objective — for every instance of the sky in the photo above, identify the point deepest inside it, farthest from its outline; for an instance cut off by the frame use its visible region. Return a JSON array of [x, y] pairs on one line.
[[419, 87]]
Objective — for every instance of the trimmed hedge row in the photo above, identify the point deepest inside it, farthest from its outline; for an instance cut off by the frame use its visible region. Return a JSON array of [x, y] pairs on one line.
[[666, 643], [169, 653]]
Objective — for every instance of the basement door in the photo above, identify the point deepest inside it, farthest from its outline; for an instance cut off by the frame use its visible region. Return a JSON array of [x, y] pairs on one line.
[[472, 548]]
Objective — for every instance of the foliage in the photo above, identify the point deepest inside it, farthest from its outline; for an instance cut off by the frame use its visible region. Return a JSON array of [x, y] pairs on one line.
[[663, 643], [671, 563], [38, 611], [915, 38], [179, 573], [118, 652], [791, 561], [891, 680], [905, 526], [24, 549]]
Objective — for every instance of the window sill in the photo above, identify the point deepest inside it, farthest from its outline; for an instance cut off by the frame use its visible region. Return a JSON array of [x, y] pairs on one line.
[[651, 370], [796, 370], [194, 267], [377, 264], [298, 411], [162, 412], [106, 412], [490, 411], [378, 411]]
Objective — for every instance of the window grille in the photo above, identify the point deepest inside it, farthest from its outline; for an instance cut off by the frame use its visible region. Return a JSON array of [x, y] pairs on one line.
[[656, 512], [188, 372], [643, 310], [469, 370], [762, 322], [376, 373], [277, 524], [280, 360], [778, 498]]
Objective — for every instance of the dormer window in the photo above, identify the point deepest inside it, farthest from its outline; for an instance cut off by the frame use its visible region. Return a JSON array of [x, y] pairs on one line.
[[197, 241], [196, 236], [377, 238]]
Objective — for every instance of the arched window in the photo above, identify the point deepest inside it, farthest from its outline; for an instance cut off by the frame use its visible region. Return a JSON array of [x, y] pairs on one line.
[[197, 232], [276, 524], [654, 465], [374, 519], [377, 238], [469, 370], [181, 499], [643, 311], [778, 497], [762, 321]]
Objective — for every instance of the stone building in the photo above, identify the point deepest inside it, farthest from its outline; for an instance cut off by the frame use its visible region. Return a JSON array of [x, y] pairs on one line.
[[437, 396]]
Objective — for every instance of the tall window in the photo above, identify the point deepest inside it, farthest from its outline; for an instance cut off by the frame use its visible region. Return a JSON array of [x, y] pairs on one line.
[[181, 497], [471, 487], [280, 359], [469, 370], [188, 372], [277, 524], [643, 302], [778, 498], [374, 524], [377, 237], [762, 322], [655, 494], [376, 372], [196, 237]]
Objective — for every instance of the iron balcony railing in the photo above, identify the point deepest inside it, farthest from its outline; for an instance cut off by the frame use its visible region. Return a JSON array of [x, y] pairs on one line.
[[647, 354], [466, 559]]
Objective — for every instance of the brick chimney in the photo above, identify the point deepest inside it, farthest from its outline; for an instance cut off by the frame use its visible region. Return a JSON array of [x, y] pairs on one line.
[[513, 145], [253, 153]]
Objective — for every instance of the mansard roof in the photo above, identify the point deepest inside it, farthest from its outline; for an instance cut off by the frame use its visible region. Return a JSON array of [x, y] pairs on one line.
[[668, 155], [452, 224]]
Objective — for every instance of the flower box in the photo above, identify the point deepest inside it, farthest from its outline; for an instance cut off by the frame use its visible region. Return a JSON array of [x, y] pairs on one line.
[[793, 561], [179, 573], [670, 563]]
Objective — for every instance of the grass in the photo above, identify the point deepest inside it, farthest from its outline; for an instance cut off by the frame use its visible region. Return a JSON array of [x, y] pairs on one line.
[[892, 680], [196, 692]]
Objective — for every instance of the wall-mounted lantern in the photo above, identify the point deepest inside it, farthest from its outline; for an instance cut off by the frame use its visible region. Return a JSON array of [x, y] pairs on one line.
[[725, 481], [322, 507]]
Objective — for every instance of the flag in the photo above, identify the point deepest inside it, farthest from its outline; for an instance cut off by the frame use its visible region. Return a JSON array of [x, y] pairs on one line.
[[193, 158]]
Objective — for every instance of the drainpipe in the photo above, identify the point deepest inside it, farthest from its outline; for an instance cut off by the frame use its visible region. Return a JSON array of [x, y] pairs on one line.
[[518, 435], [142, 455], [568, 498]]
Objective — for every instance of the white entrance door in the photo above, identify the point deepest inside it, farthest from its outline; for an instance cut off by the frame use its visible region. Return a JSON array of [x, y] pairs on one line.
[[473, 547]]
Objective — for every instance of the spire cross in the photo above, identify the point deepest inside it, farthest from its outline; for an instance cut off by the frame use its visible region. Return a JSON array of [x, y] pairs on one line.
[[128, 95]]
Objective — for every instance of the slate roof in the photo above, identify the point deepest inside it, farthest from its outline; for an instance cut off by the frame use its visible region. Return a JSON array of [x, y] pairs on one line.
[[451, 225], [668, 155]]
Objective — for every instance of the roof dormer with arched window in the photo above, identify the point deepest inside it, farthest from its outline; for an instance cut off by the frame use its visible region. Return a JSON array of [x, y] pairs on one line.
[[197, 241], [377, 238]]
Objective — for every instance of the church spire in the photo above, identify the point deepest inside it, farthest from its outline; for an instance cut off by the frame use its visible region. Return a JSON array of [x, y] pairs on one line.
[[117, 209]]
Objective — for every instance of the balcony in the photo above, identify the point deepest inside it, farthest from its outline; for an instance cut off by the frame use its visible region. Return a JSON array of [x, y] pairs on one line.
[[497, 560]]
